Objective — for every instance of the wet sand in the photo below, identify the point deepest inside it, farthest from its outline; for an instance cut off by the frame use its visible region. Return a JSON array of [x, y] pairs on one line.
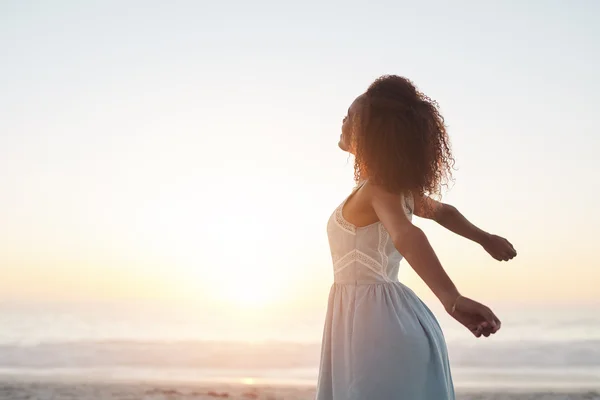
[[20, 390]]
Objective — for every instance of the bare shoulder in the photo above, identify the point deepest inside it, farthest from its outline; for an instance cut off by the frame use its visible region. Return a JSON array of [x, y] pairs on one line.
[[388, 206], [378, 193], [383, 196]]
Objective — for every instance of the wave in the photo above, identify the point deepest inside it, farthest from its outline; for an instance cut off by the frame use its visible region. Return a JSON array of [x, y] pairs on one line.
[[277, 354]]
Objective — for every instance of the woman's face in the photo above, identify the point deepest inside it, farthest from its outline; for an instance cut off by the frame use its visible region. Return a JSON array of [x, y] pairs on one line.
[[345, 142]]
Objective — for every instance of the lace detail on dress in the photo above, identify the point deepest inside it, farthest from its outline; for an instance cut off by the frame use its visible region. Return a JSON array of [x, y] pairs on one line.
[[342, 223], [383, 240], [335, 258], [369, 262], [343, 262], [362, 258]]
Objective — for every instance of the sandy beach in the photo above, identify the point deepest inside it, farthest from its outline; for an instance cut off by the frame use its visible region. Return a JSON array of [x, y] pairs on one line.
[[17, 390]]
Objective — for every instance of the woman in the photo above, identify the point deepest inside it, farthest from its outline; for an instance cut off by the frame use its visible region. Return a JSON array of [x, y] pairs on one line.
[[380, 341]]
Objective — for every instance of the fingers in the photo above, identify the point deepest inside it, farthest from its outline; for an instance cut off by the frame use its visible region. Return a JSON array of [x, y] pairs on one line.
[[511, 247], [479, 319], [479, 330], [502, 250], [484, 329], [511, 253], [489, 326], [490, 318], [475, 330], [506, 255]]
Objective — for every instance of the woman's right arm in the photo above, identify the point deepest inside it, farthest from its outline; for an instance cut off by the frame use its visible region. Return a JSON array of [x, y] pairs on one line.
[[412, 243]]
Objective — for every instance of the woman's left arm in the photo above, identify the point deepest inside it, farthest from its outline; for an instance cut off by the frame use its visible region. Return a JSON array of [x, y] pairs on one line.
[[450, 218]]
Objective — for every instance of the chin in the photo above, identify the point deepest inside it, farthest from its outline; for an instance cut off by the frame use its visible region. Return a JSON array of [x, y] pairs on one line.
[[342, 146]]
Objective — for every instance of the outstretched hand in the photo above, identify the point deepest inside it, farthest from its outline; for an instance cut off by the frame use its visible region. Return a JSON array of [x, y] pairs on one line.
[[476, 317], [499, 248]]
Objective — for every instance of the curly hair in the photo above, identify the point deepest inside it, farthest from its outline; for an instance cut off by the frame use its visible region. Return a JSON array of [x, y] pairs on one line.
[[400, 140]]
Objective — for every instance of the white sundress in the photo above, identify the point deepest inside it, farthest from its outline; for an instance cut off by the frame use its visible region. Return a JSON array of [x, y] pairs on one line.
[[380, 341]]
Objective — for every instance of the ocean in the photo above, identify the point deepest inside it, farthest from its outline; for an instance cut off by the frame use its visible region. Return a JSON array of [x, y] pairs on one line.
[[537, 348]]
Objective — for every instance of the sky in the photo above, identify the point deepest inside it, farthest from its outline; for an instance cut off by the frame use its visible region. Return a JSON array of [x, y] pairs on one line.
[[186, 151]]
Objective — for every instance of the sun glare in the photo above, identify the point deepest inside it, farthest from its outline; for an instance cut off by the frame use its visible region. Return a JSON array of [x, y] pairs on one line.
[[232, 256], [249, 289], [248, 381], [247, 276]]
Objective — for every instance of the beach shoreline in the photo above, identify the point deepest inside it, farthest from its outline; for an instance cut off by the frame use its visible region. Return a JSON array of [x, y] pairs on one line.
[[94, 389]]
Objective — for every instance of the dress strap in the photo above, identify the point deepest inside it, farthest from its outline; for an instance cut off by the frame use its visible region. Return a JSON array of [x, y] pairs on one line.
[[360, 184]]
